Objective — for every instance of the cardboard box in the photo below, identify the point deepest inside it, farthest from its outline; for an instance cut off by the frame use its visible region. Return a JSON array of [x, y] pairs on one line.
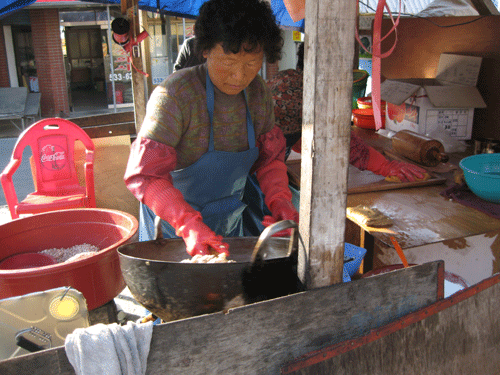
[[432, 105]]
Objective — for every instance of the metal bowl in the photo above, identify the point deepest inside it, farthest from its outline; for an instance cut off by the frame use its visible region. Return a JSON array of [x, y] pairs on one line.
[[263, 268], [482, 175]]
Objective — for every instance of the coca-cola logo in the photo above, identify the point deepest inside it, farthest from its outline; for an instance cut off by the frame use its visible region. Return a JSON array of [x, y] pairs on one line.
[[53, 157]]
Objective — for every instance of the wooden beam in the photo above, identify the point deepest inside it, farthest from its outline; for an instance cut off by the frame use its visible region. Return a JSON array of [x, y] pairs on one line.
[[104, 131], [485, 7], [457, 335], [131, 10], [123, 6], [147, 54], [106, 119], [261, 337], [138, 79], [329, 50]]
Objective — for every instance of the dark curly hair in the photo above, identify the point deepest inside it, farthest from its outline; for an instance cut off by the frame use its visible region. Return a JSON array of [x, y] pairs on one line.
[[237, 22]]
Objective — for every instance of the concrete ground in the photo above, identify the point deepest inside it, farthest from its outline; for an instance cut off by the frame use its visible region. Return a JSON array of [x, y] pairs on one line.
[[23, 181]]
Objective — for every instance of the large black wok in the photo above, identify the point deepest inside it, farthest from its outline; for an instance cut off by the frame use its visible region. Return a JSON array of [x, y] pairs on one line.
[[264, 268]]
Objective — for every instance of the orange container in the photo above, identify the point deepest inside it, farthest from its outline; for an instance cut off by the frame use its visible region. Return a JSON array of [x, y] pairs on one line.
[[363, 118], [98, 277], [366, 103]]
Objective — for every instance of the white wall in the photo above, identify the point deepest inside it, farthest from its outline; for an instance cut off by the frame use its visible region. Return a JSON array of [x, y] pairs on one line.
[[289, 54]]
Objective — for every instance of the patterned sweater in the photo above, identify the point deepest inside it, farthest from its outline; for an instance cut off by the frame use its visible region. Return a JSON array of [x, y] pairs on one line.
[[287, 90], [177, 115]]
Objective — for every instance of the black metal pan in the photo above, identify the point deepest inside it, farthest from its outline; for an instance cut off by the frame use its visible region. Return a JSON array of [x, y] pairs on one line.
[[265, 267]]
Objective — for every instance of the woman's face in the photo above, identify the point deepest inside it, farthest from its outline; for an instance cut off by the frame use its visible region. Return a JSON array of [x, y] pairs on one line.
[[230, 72]]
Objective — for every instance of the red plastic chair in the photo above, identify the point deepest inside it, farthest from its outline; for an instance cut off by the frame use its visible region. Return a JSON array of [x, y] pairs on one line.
[[52, 143]]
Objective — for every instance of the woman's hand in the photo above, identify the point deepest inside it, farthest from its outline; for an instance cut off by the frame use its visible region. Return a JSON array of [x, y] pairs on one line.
[[394, 170], [281, 209], [200, 239], [402, 171]]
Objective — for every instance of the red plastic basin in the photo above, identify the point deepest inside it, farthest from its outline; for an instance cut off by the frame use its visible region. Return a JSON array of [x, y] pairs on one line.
[[98, 277], [26, 260], [364, 118]]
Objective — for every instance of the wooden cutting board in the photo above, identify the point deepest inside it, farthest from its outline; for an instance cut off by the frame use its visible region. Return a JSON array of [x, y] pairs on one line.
[[294, 177]]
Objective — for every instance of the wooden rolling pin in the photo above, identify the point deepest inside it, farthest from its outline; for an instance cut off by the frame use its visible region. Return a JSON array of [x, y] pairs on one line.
[[419, 148]]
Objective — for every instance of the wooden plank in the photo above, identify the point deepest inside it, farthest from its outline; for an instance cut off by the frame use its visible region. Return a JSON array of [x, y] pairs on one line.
[[106, 119], [51, 361], [102, 131], [329, 49], [110, 161], [294, 177], [107, 125], [263, 336], [138, 79], [457, 335], [421, 216], [147, 52], [385, 185], [485, 7]]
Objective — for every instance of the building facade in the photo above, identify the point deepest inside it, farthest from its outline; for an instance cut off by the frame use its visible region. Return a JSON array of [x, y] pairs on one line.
[[65, 51]]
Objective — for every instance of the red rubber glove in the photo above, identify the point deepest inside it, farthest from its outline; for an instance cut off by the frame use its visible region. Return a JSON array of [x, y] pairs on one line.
[[378, 164], [297, 147], [148, 178], [200, 239], [281, 210], [273, 179]]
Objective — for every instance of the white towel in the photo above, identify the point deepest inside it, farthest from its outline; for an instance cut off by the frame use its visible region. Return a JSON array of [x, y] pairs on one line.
[[110, 349]]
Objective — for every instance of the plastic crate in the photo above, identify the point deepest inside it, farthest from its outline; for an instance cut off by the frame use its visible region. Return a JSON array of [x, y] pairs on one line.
[[352, 266]]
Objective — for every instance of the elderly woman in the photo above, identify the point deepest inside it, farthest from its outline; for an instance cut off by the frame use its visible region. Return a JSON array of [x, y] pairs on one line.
[[207, 128]]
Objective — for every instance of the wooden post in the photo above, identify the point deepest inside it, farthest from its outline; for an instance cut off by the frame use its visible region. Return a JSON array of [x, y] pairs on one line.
[[138, 84], [329, 49], [145, 48]]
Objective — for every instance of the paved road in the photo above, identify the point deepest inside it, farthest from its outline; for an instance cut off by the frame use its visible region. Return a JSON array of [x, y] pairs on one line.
[[23, 181]]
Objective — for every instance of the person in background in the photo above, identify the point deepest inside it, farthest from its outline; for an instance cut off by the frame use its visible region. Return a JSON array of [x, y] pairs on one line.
[[187, 56], [207, 128], [286, 87]]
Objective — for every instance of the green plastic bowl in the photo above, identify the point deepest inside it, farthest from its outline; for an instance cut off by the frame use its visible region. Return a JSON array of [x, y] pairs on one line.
[[482, 175]]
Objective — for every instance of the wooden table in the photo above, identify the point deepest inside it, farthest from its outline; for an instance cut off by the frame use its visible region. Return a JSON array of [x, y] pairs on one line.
[[429, 227], [426, 225]]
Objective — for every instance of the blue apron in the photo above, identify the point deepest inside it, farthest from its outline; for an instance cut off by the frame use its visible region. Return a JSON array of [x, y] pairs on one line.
[[256, 209], [212, 185]]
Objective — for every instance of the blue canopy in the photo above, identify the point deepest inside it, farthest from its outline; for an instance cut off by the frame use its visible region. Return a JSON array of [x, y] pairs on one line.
[[189, 9], [283, 18], [179, 8], [10, 6]]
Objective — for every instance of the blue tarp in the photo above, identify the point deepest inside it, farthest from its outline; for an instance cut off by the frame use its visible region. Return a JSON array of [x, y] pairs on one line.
[[189, 9], [283, 18], [11, 6], [179, 8]]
